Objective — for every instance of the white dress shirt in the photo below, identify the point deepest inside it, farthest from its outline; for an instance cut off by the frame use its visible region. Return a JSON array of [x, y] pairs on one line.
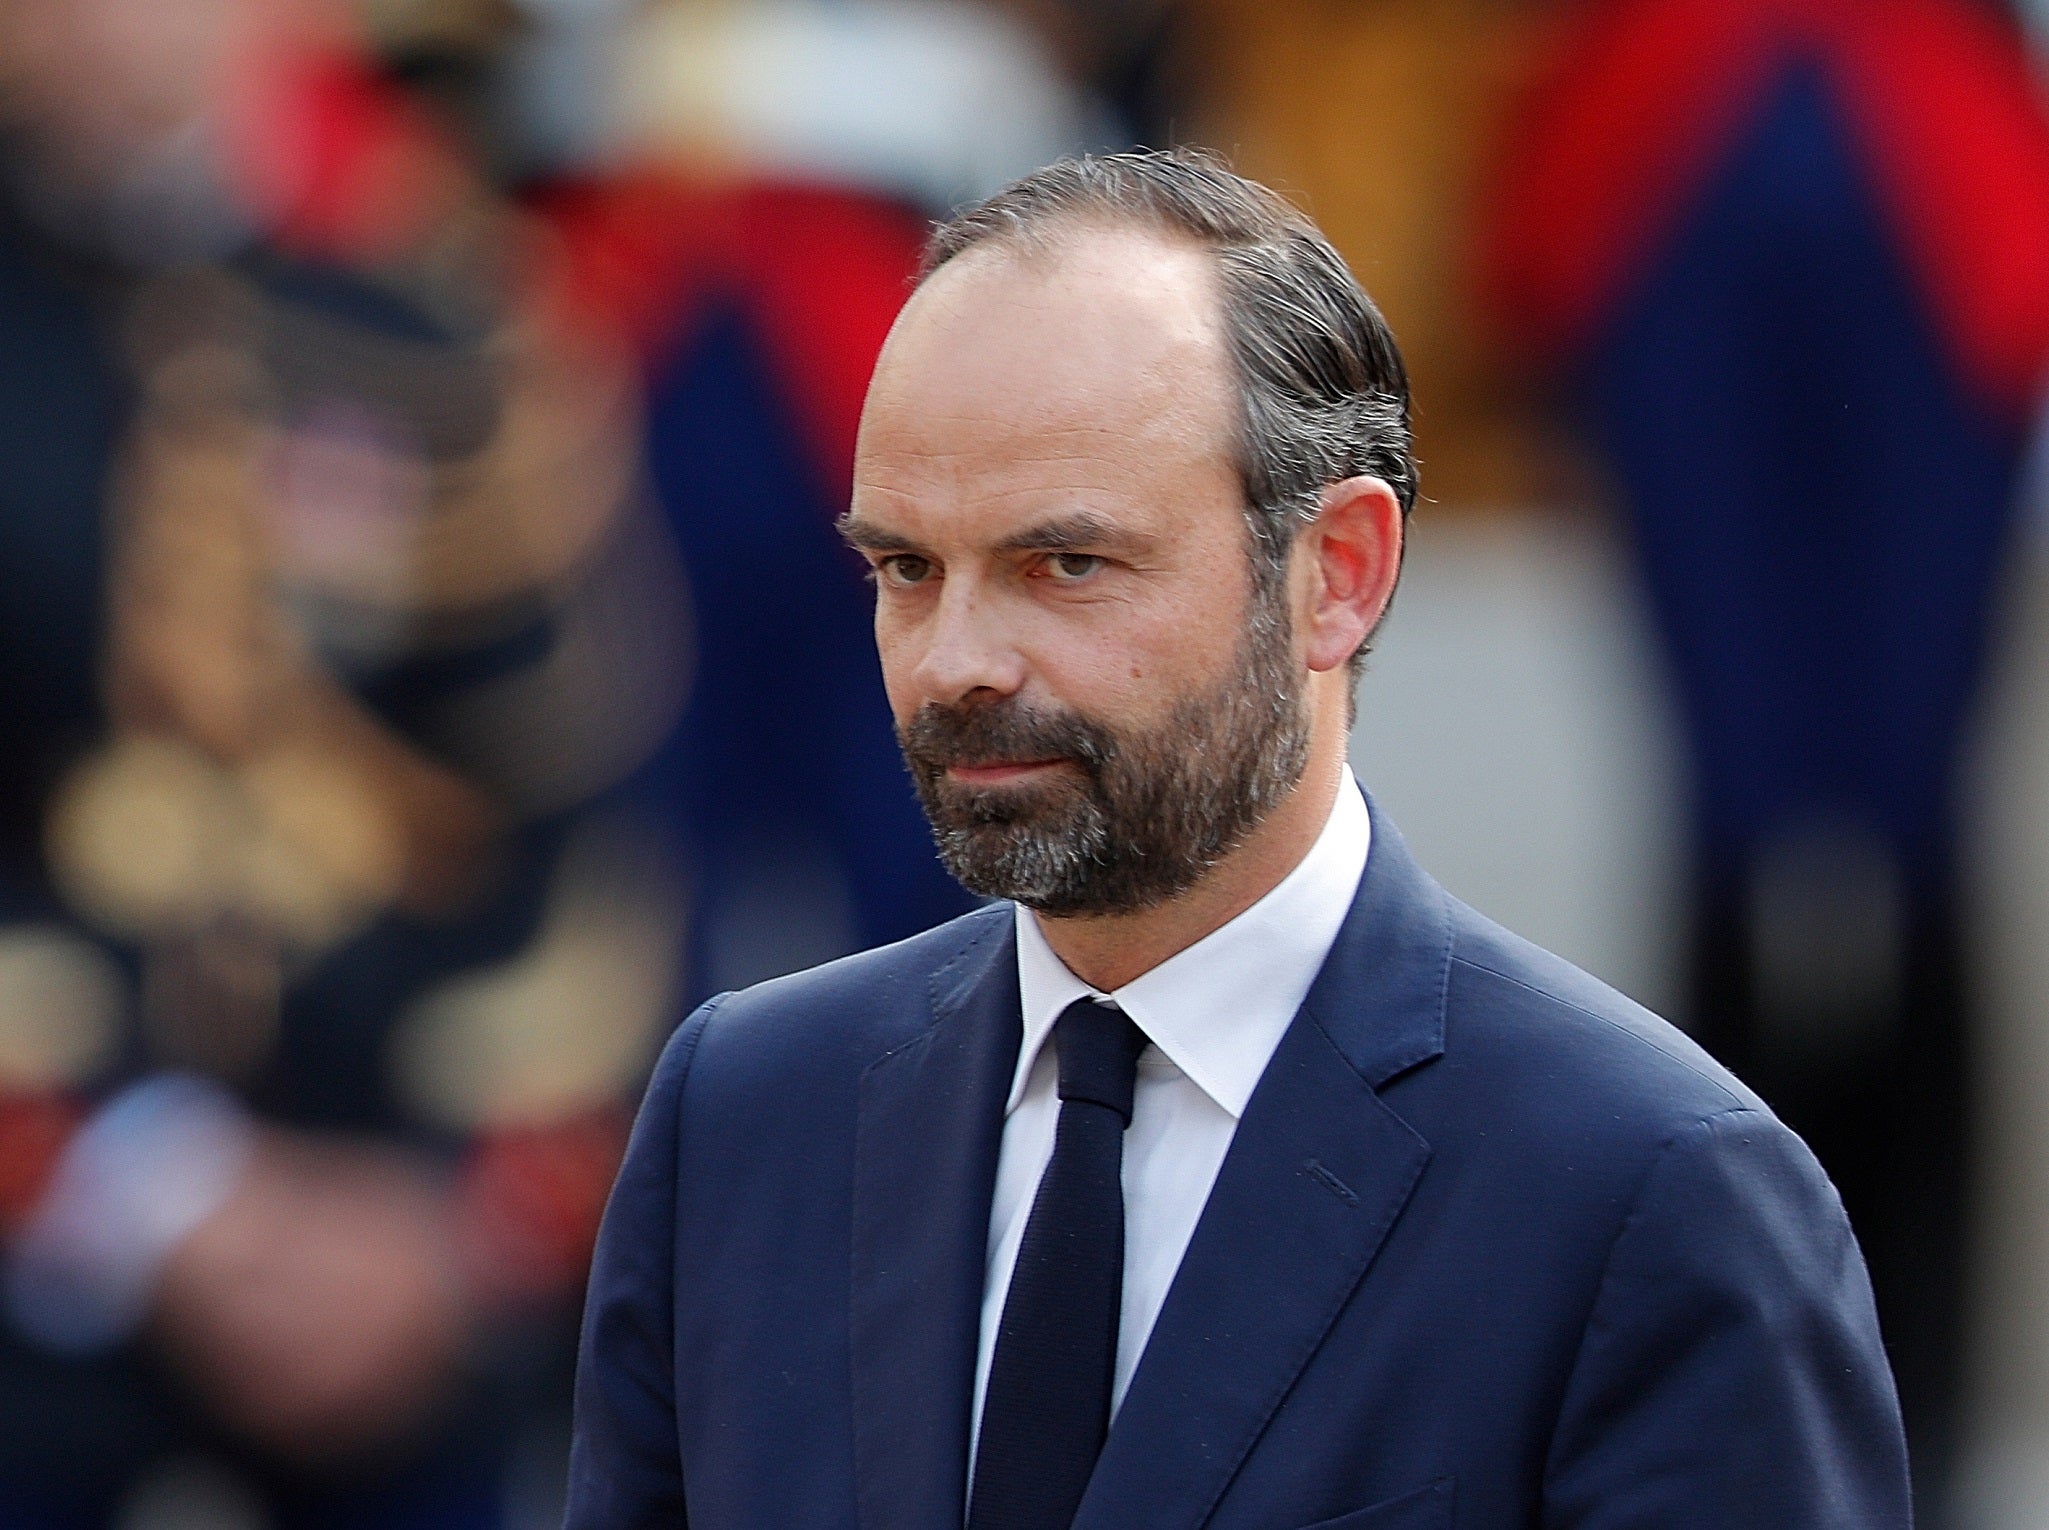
[[1213, 1014]]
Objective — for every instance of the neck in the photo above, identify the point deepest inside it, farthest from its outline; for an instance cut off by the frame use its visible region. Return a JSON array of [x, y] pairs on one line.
[[1106, 951]]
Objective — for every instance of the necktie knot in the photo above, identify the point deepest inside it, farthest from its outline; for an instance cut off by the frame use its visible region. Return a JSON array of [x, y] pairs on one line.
[[1098, 1046]]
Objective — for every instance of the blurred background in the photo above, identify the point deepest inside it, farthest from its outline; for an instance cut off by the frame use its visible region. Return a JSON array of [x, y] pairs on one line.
[[427, 666]]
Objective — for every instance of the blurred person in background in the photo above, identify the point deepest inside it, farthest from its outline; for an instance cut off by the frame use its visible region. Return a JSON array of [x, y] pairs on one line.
[[1794, 257], [336, 927], [748, 230]]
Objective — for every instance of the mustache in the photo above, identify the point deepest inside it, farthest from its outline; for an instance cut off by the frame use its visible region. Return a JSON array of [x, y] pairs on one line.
[[941, 736]]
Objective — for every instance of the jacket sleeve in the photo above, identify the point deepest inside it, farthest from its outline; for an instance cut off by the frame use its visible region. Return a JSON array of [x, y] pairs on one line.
[[1731, 1371], [624, 1469]]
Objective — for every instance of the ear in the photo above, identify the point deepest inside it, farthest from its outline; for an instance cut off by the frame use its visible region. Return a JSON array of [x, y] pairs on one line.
[[1350, 555]]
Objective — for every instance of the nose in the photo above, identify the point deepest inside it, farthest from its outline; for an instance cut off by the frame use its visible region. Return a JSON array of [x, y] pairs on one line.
[[967, 648]]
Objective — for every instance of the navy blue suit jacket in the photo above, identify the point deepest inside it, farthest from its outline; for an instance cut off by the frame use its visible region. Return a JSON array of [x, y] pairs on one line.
[[1493, 1247]]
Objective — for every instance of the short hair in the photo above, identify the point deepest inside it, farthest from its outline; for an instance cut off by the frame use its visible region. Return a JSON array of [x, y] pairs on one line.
[[1322, 389]]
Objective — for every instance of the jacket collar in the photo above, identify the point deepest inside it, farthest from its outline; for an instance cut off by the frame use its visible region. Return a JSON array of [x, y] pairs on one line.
[[1380, 996]]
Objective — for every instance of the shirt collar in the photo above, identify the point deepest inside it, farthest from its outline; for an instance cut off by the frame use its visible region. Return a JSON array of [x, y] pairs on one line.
[[1218, 1008]]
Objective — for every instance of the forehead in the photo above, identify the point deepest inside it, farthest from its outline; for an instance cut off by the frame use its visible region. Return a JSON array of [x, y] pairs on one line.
[[1095, 362]]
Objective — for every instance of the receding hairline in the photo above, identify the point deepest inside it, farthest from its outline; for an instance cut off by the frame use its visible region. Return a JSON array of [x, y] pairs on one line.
[[1061, 228], [1039, 245], [1238, 213], [1037, 252]]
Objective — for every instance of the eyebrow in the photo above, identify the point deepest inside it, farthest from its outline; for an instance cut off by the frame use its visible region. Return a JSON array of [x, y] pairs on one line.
[[869, 537], [1063, 533], [1073, 533]]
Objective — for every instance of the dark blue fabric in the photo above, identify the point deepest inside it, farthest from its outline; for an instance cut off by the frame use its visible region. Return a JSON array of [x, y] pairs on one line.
[[1819, 501], [805, 839], [1492, 1247]]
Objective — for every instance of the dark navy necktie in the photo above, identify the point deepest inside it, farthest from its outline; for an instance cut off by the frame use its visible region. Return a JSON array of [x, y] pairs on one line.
[[1047, 1408]]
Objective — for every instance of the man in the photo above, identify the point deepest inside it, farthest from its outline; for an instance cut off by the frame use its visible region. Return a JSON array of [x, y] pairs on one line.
[[1396, 1221]]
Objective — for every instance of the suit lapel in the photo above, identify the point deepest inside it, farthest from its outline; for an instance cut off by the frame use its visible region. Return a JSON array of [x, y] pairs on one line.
[[930, 1127], [1317, 1175]]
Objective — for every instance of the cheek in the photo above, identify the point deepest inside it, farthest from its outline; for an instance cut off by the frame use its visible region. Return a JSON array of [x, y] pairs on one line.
[[1137, 669], [899, 688], [896, 653]]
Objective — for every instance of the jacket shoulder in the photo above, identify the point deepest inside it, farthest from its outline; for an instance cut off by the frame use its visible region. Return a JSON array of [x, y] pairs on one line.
[[1563, 1061], [853, 1009]]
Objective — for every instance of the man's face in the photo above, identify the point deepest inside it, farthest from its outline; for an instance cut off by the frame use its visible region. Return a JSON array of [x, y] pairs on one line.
[[1095, 700]]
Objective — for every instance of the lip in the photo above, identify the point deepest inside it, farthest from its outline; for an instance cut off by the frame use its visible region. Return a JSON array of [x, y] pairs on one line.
[[1001, 772]]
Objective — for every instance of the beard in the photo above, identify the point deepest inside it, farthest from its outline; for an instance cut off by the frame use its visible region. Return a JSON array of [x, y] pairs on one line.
[[1135, 817]]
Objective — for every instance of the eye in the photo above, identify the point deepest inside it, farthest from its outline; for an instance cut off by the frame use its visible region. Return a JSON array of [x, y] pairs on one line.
[[1067, 567], [904, 569]]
